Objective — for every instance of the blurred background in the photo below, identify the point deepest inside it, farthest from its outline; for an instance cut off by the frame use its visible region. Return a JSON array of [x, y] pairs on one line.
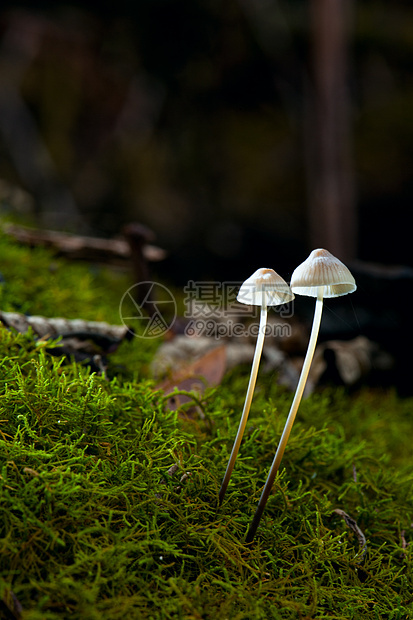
[[243, 133]]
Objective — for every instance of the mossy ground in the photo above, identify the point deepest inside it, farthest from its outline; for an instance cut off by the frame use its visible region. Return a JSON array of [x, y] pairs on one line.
[[93, 527]]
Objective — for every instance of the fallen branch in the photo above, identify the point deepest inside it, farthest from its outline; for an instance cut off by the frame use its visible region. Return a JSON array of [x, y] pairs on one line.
[[85, 341], [77, 247]]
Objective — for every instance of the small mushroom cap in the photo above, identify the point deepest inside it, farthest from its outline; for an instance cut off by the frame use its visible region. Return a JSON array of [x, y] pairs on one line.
[[276, 289], [322, 269]]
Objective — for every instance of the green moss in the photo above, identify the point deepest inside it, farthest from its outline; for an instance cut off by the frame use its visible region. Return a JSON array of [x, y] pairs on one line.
[[92, 524]]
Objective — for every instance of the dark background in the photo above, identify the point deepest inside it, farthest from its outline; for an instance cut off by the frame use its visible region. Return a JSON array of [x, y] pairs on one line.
[[202, 120]]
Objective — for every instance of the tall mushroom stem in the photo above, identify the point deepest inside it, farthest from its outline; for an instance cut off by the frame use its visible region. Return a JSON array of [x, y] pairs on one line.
[[291, 416], [248, 398]]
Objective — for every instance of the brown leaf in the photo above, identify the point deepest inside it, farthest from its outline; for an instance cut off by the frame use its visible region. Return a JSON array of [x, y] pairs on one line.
[[207, 370], [348, 361], [182, 350]]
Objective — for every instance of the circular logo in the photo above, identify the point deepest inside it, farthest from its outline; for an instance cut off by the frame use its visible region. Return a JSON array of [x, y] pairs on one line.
[[148, 307]]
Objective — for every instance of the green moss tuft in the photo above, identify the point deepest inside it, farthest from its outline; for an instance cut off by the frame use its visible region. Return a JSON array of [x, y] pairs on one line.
[[96, 523]]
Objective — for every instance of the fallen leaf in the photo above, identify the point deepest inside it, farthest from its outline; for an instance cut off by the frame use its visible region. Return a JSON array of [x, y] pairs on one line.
[[348, 362], [207, 370]]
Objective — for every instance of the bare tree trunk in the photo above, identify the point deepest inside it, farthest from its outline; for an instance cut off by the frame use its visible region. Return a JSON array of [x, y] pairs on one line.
[[332, 211]]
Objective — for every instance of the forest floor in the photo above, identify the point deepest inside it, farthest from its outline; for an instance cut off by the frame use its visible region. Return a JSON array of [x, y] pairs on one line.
[[108, 501]]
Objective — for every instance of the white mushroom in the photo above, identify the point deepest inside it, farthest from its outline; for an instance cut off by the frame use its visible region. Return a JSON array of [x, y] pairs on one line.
[[321, 275], [264, 288]]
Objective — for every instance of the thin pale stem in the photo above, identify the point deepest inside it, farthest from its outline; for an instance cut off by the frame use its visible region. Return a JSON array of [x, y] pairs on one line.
[[248, 399], [291, 417]]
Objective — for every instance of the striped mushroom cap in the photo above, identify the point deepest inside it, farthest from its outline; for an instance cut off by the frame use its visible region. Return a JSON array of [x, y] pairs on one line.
[[276, 289], [322, 269]]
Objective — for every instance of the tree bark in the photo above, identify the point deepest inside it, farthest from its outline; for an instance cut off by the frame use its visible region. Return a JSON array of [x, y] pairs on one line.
[[332, 210]]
